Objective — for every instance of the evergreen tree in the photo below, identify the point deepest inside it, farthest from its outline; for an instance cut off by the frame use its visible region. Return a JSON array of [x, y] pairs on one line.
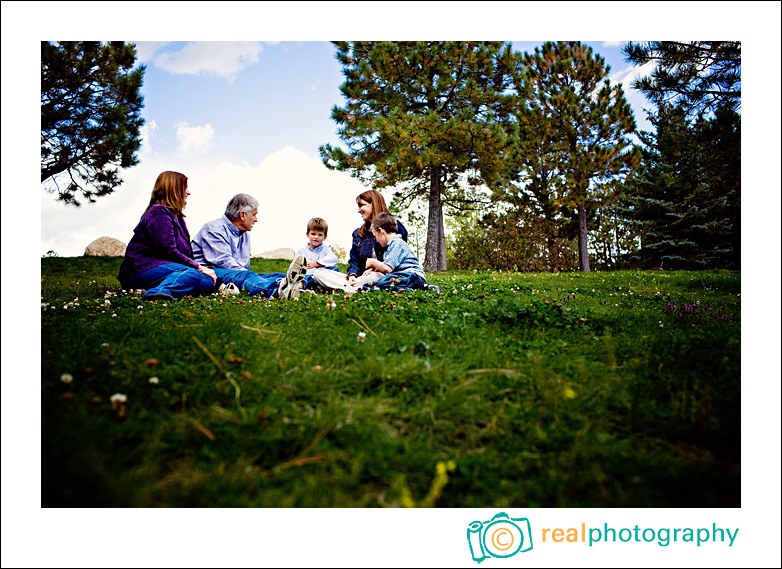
[[428, 114], [698, 76], [686, 199], [534, 178], [90, 116], [582, 132]]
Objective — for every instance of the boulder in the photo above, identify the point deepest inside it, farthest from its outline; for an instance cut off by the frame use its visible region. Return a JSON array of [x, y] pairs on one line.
[[282, 253], [106, 247]]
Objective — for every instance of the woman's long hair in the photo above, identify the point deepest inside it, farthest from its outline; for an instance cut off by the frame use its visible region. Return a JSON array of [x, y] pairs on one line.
[[378, 206], [170, 191]]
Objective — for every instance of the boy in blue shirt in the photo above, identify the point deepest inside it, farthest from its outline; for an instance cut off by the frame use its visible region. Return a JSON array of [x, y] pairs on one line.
[[318, 254], [401, 268]]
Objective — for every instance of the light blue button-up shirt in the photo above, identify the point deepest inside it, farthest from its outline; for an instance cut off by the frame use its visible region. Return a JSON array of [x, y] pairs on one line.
[[400, 257], [219, 243], [322, 254]]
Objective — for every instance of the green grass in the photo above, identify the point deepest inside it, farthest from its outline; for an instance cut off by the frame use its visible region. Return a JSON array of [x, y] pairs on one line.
[[496, 393]]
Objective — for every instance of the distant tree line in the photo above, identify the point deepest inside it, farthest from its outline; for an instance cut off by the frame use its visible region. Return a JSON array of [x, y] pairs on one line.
[[532, 154]]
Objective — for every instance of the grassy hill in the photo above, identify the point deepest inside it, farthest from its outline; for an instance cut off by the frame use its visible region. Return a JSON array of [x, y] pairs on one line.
[[526, 390]]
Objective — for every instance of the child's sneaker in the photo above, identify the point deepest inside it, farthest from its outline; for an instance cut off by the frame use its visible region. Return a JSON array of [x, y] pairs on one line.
[[228, 289]]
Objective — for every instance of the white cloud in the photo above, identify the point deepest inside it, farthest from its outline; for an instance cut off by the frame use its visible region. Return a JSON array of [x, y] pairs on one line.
[[147, 50], [145, 134], [290, 185], [627, 75], [222, 59], [613, 43], [197, 139]]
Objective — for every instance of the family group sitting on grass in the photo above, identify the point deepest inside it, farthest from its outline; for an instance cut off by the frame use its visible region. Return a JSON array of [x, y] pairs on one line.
[[162, 260]]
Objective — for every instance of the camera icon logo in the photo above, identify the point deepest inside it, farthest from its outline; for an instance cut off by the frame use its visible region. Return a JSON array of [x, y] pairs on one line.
[[501, 536]]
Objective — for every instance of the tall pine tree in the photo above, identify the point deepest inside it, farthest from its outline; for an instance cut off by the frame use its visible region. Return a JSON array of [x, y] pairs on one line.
[[584, 124], [698, 76], [90, 116], [431, 115]]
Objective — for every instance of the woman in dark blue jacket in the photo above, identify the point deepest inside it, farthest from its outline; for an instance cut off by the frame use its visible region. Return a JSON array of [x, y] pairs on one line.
[[370, 203], [364, 246]]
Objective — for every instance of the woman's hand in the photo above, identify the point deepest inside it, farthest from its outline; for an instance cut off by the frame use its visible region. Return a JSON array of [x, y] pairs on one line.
[[208, 272]]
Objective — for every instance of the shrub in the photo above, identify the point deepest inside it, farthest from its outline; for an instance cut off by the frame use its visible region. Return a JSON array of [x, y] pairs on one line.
[[512, 241]]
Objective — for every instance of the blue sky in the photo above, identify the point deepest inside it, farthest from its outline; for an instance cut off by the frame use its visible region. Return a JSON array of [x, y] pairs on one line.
[[250, 118]]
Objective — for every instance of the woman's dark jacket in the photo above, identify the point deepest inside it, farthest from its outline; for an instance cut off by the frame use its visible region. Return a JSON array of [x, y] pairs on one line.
[[362, 248], [161, 236]]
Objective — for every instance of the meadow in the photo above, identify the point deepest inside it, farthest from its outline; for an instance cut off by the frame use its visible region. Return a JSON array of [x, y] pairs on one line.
[[606, 389]]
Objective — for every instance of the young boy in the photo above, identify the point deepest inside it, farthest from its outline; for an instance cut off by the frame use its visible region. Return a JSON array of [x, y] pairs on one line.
[[401, 268], [318, 254]]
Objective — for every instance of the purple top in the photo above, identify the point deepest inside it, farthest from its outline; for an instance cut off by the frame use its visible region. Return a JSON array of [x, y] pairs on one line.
[[161, 236]]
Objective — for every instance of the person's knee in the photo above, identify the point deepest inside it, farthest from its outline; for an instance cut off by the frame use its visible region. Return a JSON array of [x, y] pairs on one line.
[[199, 282], [205, 281]]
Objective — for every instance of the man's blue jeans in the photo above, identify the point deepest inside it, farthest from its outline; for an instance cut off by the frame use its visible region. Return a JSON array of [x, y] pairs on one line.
[[252, 283], [171, 278]]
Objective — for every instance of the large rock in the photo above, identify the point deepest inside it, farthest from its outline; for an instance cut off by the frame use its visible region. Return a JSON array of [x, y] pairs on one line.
[[282, 253], [106, 247]]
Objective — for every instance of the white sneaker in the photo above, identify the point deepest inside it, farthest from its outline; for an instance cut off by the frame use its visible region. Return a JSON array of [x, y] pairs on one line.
[[297, 270], [289, 288], [228, 289]]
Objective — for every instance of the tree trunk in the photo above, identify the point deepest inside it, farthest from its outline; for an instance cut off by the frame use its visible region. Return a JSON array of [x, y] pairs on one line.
[[583, 252], [435, 234]]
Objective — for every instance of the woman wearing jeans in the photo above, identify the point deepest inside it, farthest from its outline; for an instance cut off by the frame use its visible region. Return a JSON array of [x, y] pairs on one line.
[[159, 257]]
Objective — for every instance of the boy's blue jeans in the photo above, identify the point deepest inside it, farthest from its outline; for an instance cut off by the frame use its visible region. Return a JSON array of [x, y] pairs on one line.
[[397, 282], [252, 283], [171, 278]]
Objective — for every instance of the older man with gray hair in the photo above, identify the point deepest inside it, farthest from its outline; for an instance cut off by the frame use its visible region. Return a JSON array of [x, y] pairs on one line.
[[224, 245]]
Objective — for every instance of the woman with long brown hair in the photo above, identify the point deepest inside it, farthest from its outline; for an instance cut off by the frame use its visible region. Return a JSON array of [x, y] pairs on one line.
[[370, 203], [159, 257]]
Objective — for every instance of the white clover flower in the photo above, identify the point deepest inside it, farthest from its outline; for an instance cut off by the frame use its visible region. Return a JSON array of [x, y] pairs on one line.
[[66, 378], [361, 336], [154, 380], [140, 307], [107, 303], [118, 400], [114, 315]]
